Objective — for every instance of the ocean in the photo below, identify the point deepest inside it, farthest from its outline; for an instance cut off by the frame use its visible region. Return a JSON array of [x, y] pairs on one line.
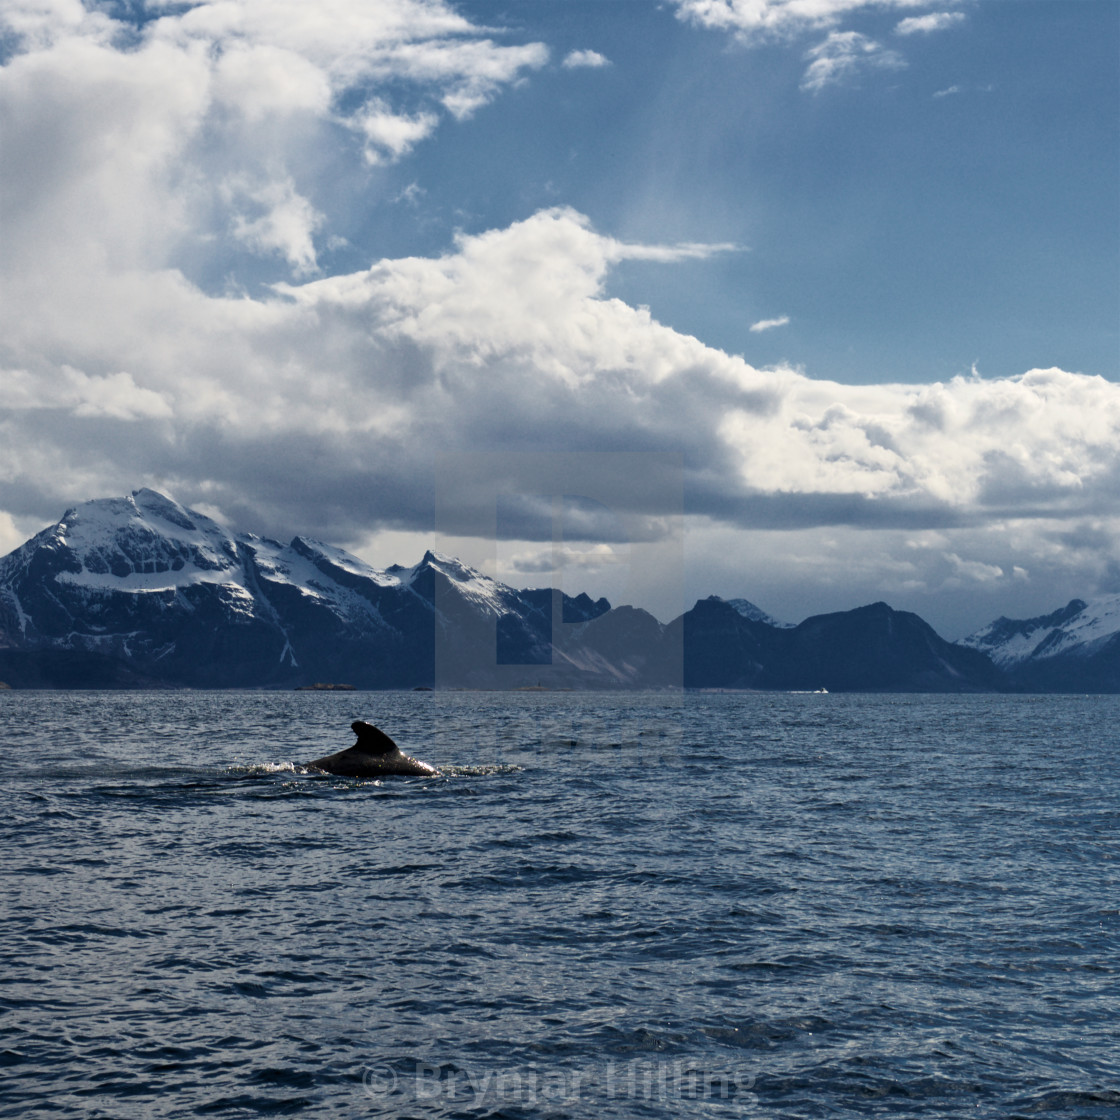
[[629, 905]]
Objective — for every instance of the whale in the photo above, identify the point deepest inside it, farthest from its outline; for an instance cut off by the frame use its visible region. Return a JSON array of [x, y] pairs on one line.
[[374, 755]]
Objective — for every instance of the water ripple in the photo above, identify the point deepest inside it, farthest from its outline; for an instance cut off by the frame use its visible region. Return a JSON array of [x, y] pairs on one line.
[[758, 905]]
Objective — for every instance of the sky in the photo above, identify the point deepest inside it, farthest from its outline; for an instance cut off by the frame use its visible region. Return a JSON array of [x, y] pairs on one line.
[[811, 302]]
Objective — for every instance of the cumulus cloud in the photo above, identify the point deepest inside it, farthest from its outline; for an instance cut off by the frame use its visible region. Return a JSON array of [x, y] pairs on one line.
[[575, 60], [285, 223], [769, 324], [391, 135], [114, 395], [38, 24], [166, 135], [752, 20], [837, 57], [508, 341], [259, 81]]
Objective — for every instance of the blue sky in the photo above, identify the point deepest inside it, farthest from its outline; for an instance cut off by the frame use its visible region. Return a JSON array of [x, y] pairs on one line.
[[961, 208], [957, 207], [853, 265]]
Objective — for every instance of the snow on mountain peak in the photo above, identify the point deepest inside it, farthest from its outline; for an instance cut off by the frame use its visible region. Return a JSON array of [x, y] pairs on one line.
[[1078, 628], [339, 558], [449, 566], [481, 590], [748, 610], [756, 614], [142, 542], [158, 507]]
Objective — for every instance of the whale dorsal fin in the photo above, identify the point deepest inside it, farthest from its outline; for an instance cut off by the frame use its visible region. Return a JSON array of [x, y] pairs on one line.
[[372, 739]]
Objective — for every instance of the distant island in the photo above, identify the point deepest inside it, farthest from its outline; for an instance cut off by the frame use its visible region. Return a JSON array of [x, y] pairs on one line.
[[141, 592]]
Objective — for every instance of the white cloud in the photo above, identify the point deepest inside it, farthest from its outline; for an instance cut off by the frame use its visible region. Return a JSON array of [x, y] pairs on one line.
[[10, 535], [509, 341], [924, 25], [842, 55], [769, 324], [285, 224], [666, 254], [579, 59], [118, 397], [349, 384], [391, 135], [973, 570], [537, 561], [837, 57], [115, 396], [753, 20], [262, 80], [145, 126], [39, 24]]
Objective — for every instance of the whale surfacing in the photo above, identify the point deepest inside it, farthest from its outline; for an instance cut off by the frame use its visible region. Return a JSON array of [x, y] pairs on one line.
[[374, 755]]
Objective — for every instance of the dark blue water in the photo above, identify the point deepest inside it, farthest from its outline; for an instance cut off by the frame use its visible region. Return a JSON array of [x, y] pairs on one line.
[[717, 905]]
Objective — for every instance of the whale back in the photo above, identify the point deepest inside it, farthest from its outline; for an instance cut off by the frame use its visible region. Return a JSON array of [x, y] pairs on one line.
[[372, 756]]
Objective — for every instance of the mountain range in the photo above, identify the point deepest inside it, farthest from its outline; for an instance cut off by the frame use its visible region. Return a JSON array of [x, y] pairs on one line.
[[143, 592]]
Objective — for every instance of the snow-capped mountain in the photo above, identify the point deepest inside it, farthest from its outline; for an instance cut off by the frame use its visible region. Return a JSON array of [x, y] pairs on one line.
[[1079, 629], [171, 596], [1077, 646]]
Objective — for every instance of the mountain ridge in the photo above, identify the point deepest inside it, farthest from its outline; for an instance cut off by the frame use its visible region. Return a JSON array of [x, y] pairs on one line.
[[143, 592], [1076, 647]]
